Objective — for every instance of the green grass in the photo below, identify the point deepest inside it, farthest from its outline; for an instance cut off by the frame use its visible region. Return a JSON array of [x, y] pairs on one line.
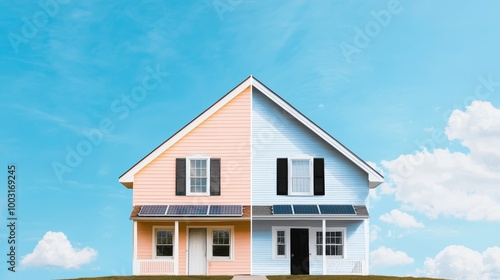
[[223, 277], [341, 277], [284, 277]]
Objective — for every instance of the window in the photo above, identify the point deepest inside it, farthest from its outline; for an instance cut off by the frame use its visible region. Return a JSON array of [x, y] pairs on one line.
[[164, 243], [280, 243], [300, 176], [281, 239], [221, 243], [334, 243], [198, 176]]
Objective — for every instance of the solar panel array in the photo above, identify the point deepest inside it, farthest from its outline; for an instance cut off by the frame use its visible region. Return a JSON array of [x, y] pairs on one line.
[[187, 210], [153, 210], [190, 210], [313, 209], [282, 209], [305, 209], [337, 209], [225, 210]]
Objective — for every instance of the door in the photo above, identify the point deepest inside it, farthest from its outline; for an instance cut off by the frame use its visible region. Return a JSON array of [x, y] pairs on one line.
[[299, 251], [197, 251]]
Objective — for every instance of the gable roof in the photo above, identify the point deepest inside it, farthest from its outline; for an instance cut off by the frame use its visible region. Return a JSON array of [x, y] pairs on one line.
[[374, 177]]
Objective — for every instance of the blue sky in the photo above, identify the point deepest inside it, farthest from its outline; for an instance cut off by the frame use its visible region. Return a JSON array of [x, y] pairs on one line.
[[411, 86]]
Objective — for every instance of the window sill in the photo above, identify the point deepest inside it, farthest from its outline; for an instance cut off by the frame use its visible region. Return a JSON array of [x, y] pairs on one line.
[[221, 259], [197, 194], [163, 258], [330, 257]]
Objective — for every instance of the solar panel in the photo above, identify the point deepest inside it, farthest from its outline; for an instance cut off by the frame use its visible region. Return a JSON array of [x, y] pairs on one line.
[[305, 209], [187, 210], [282, 209], [225, 210], [153, 210], [337, 209]]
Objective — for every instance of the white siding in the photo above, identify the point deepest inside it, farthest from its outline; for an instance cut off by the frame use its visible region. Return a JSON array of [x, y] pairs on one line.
[[276, 134], [262, 259]]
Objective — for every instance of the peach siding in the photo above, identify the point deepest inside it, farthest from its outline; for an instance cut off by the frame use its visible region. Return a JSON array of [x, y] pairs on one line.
[[224, 135], [241, 258], [145, 238]]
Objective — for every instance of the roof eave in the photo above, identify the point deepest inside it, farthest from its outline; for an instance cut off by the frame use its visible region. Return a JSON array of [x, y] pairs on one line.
[[312, 217]]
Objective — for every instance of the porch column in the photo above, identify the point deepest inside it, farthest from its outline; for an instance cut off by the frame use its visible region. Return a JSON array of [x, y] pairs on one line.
[[176, 248], [134, 249], [324, 245], [366, 264]]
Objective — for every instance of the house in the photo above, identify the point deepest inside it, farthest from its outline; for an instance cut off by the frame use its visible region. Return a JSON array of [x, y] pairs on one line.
[[250, 186]]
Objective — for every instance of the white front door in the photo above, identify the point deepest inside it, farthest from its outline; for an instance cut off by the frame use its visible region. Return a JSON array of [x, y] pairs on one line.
[[197, 251]]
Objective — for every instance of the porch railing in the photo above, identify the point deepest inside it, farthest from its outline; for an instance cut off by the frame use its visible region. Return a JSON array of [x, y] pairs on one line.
[[153, 267], [345, 267]]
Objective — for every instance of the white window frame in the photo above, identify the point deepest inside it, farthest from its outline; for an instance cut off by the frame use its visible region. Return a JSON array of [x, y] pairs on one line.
[[275, 242], [188, 174], [210, 239], [160, 228], [290, 181], [329, 229]]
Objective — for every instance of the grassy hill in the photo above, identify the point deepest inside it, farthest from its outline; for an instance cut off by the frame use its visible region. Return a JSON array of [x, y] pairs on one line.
[[285, 277]]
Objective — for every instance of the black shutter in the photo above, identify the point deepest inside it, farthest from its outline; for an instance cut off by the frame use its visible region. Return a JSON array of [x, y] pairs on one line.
[[282, 176], [180, 176], [319, 176], [215, 176]]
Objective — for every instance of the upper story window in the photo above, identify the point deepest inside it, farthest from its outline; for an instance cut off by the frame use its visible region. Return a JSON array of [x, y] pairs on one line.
[[300, 176], [197, 175]]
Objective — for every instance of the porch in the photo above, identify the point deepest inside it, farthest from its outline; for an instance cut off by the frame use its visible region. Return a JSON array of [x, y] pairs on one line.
[[191, 245], [314, 244]]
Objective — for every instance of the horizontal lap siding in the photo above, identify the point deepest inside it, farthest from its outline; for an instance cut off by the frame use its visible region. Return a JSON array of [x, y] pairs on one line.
[[276, 134], [264, 264], [262, 259], [145, 238], [225, 135], [241, 262]]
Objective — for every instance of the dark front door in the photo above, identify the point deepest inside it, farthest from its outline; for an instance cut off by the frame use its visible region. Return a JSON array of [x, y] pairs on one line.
[[299, 249]]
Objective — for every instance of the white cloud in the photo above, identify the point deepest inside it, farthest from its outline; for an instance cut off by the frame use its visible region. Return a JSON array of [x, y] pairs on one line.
[[373, 194], [459, 262], [374, 233], [387, 257], [401, 219], [387, 188], [55, 250], [459, 184]]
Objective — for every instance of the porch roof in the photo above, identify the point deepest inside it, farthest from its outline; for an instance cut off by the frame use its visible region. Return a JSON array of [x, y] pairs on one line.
[[266, 213], [136, 214]]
